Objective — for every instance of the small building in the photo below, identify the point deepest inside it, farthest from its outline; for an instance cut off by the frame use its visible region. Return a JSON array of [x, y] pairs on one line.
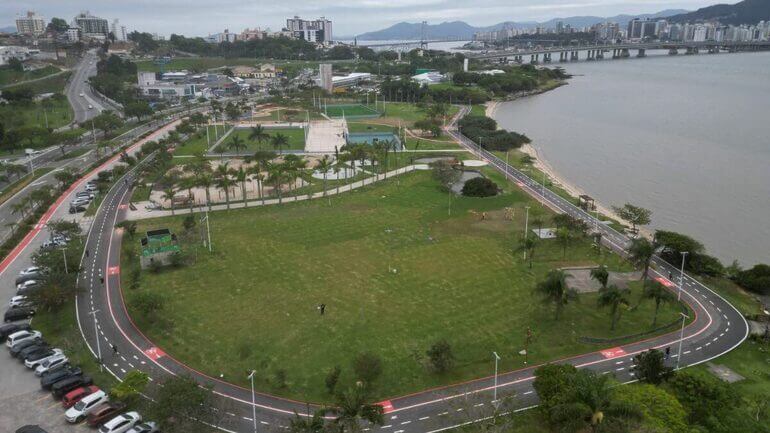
[[429, 78], [157, 247], [245, 72]]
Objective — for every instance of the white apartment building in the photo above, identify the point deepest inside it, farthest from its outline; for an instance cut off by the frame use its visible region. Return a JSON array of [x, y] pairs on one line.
[[318, 31], [30, 24]]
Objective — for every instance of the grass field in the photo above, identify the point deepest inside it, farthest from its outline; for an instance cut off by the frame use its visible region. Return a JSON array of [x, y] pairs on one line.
[[195, 64], [296, 138], [19, 184], [457, 278], [8, 76], [33, 114], [350, 110], [196, 143]]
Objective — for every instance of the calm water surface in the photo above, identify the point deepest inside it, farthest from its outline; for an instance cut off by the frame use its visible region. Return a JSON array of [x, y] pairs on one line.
[[685, 136]]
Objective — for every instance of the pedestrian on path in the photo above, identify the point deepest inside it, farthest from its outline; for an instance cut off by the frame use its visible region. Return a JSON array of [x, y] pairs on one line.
[[101, 277], [322, 308], [86, 252], [668, 352], [114, 349]]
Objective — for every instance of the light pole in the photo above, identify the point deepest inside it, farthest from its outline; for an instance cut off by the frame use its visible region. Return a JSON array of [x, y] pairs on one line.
[[64, 254], [390, 247], [253, 400], [526, 227], [497, 358], [681, 337], [681, 277], [98, 344], [507, 173]]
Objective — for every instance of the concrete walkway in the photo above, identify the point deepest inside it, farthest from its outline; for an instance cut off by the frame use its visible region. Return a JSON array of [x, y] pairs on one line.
[[142, 213]]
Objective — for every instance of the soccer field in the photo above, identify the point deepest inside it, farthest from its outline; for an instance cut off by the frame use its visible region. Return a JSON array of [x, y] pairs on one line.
[[351, 110]]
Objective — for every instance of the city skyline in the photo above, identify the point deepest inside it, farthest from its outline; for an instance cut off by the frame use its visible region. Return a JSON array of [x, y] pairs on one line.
[[349, 20]]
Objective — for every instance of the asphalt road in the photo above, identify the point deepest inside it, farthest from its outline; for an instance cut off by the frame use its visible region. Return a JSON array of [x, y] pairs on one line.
[[85, 69], [716, 328]]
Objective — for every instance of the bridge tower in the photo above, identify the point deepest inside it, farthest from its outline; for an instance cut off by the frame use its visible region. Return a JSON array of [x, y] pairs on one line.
[[423, 38]]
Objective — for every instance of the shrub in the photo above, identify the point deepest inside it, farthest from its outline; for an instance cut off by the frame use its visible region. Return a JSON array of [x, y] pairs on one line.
[[479, 187], [440, 356], [367, 367], [756, 279], [332, 377]]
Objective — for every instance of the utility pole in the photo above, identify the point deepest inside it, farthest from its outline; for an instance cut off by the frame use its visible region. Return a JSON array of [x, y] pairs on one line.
[[526, 227], [64, 254], [497, 358], [98, 344], [681, 337], [253, 400], [681, 277]]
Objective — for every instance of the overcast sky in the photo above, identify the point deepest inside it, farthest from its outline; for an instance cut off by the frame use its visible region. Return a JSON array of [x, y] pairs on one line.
[[202, 17]]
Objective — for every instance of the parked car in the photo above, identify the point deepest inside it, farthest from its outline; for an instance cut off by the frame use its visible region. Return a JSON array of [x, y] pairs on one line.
[[76, 395], [30, 429], [29, 283], [6, 330], [145, 427], [104, 413], [27, 291], [35, 350], [86, 194], [33, 360], [121, 423], [51, 364], [77, 209], [79, 201], [32, 270], [86, 405], [18, 301], [59, 389], [22, 336], [34, 276], [27, 346], [91, 187], [19, 313], [49, 379], [60, 240]]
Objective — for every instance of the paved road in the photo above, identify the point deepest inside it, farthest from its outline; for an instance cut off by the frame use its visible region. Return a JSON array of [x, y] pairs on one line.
[[77, 85], [716, 328]]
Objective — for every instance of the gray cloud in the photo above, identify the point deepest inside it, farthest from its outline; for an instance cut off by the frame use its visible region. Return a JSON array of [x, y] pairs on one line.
[[201, 17]]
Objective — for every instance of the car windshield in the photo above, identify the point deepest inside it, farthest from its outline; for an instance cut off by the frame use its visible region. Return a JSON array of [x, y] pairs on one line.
[[80, 405]]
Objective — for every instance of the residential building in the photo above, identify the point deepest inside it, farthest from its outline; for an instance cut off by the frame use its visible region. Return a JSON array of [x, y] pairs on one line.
[[118, 31], [218, 38], [73, 34], [318, 31], [91, 26], [30, 24], [13, 52], [325, 80], [252, 34]]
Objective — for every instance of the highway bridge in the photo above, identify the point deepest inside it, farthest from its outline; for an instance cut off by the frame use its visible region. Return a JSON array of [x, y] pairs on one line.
[[405, 45], [614, 51]]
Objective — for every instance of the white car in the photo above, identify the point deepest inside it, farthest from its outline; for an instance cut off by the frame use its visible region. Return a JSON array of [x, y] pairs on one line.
[[27, 284], [79, 201], [81, 409], [82, 95], [145, 427], [18, 301], [32, 270], [91, 187], [121, 423], [52, 363], [90, 106], [86, 194], [34, 364], [18, 337]]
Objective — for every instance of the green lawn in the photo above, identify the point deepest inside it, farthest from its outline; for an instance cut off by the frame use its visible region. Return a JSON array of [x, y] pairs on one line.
[[252, 304], [197, 142], [195, 64], [409, 112], [8, 76], [296, 138], [442, 142], [58, 114], [349, 110], [19, 184]]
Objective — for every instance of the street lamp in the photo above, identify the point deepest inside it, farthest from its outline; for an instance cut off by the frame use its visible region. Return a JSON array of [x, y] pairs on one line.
[[526, 227], [98, 344], [681, 337], [253, 400], [681, 277], [497, 358], [64, 254]]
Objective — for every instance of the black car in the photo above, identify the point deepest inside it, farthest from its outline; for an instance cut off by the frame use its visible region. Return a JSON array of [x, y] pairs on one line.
[[38, 355], [59, 389], [49, 379], [18, 313], [29, 350], [20, 346], [6, 330], [25, 278], [77, 209], [27, 291], [30, 429]]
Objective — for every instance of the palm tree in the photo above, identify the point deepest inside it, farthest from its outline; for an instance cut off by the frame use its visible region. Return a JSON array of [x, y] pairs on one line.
[[258, 134], [614, 298], [351, 409], [189, 183], [659, 293], [563, 236], [168, 194], [223, 180], [278, 141], [324, 165], [554, 290], [641, 253], [242, 176], [528, 244], [236, 144], [591, 402], [205, 180], [601, 275], [275, 177], [308, 424]]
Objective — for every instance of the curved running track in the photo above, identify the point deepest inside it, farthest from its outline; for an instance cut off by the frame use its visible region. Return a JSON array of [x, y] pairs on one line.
[[716, 329]]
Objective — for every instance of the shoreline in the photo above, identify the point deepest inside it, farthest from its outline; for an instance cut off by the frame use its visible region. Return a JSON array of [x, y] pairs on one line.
[[556, 178]]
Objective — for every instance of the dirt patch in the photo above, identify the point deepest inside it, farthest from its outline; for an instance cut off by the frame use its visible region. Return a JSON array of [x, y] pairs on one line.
[[580, 279]]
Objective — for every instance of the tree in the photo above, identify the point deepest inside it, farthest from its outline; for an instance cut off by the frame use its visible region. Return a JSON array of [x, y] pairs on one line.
[[703, 396], [308, 424], [528, 245], [756, 279], [479, 187], [661, 411], [276, 176], [563, 237], [440, 356], [107, 121], [614, 298], [430, 125], [55, 291], [241, 176], [205, 181], [649, 366], [223, 180], [367, 367], [332, 378], [659, 293], [181, 405], [138, 109], [640, 253], [133, 384], [637, 216], [258, 134], [169, 194], [58, 25], [324, 165], [673, 244], [555, 291], [279, 141], [601, 275], [352, 409]]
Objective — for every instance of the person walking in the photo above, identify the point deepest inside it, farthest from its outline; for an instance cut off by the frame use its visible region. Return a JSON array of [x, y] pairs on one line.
[[322, 308], [668, 352], [114, 349]]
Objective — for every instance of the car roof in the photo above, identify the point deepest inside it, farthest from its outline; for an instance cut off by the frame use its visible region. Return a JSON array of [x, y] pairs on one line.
[[94, 395], [30, 429]]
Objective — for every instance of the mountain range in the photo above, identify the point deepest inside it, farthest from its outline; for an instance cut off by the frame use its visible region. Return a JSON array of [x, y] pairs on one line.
[[745, 12], [463, 30]]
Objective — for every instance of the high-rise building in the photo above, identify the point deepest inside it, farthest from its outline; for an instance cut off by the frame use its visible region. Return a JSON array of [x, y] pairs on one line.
[[91, 26], [325, 77], [30, 24], [319, 31], [118, 31]]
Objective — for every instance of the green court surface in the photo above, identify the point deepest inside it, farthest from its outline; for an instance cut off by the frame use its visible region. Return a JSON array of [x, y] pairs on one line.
[[350, 110]]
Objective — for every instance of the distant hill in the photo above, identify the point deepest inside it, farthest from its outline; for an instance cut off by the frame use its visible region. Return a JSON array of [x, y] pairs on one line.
[[463, 30], [8, 29], [745, 12]]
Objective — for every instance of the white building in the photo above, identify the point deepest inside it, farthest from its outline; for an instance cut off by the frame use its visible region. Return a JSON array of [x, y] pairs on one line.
[[218, 38], [30, 24], [13, 52], [429, 78], [91, 26], [325, 80], [118, 31], [73, 34], [318, 31]]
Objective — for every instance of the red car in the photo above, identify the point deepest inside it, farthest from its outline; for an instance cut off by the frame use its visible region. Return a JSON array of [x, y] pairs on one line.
[[104, 412], [76, 395]]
